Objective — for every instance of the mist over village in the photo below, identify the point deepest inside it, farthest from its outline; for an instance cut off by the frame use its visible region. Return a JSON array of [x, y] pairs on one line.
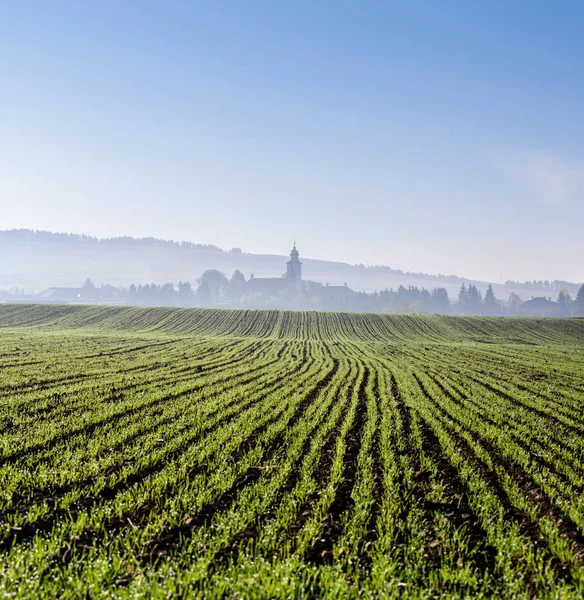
[[246, 286]]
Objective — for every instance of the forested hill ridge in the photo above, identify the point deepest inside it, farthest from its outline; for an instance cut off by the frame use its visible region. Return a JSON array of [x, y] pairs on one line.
[[36, 260]]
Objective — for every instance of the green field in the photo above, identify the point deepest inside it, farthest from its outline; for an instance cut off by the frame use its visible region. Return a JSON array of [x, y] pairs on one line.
[[241, 454]]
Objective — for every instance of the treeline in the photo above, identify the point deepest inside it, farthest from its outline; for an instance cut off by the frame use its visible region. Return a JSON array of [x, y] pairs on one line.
[[214, 289], [472, 302], [149, 294], [48, 237], [553, 287], [403, 300], [401, 272], [167, 294], [564, 306]]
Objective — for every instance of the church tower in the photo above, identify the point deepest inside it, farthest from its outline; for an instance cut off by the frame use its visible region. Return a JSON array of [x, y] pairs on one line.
[[294, 272]]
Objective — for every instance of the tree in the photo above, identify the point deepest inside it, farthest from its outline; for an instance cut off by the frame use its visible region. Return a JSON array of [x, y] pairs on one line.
[[579, 303], [403, 299], [185, 293], [425, 301], [540, 307], [463, 299], [237, 285], [89, 291], [412, 299], [440, 301], [514, 303], [167, 295], [204, 296], [564, 304], [311, 288], [214, 284], [475, 301], [490, 302]]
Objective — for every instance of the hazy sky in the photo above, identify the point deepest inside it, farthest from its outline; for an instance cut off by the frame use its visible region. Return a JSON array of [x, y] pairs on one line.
[[429, 136]]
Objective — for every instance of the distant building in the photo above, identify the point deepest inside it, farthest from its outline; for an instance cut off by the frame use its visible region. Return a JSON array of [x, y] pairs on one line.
[[539, 307], [336, 297], [271, 286], [294, 272], [61, 294], [336, 293], [274, 286]]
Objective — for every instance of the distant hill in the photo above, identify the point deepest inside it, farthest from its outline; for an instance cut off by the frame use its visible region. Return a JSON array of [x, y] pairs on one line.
[[35, 260]]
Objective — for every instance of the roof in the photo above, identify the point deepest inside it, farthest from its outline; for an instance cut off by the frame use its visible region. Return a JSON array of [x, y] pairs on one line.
[[538, 302], [337, 290], [294, 256]]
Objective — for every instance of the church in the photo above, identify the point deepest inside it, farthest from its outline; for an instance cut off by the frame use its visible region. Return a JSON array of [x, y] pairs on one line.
[[275, 286]]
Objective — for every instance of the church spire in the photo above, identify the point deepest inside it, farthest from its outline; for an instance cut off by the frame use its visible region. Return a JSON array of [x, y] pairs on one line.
[[294, 271]]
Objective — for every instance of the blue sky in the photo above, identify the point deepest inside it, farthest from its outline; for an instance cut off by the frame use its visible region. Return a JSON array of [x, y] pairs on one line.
[[428, 136]]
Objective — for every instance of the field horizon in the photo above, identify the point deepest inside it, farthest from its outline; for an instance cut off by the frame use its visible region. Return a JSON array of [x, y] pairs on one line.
[[286, 323]]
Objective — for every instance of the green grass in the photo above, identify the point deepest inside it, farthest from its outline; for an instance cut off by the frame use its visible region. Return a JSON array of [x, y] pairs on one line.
[[264, 454]]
